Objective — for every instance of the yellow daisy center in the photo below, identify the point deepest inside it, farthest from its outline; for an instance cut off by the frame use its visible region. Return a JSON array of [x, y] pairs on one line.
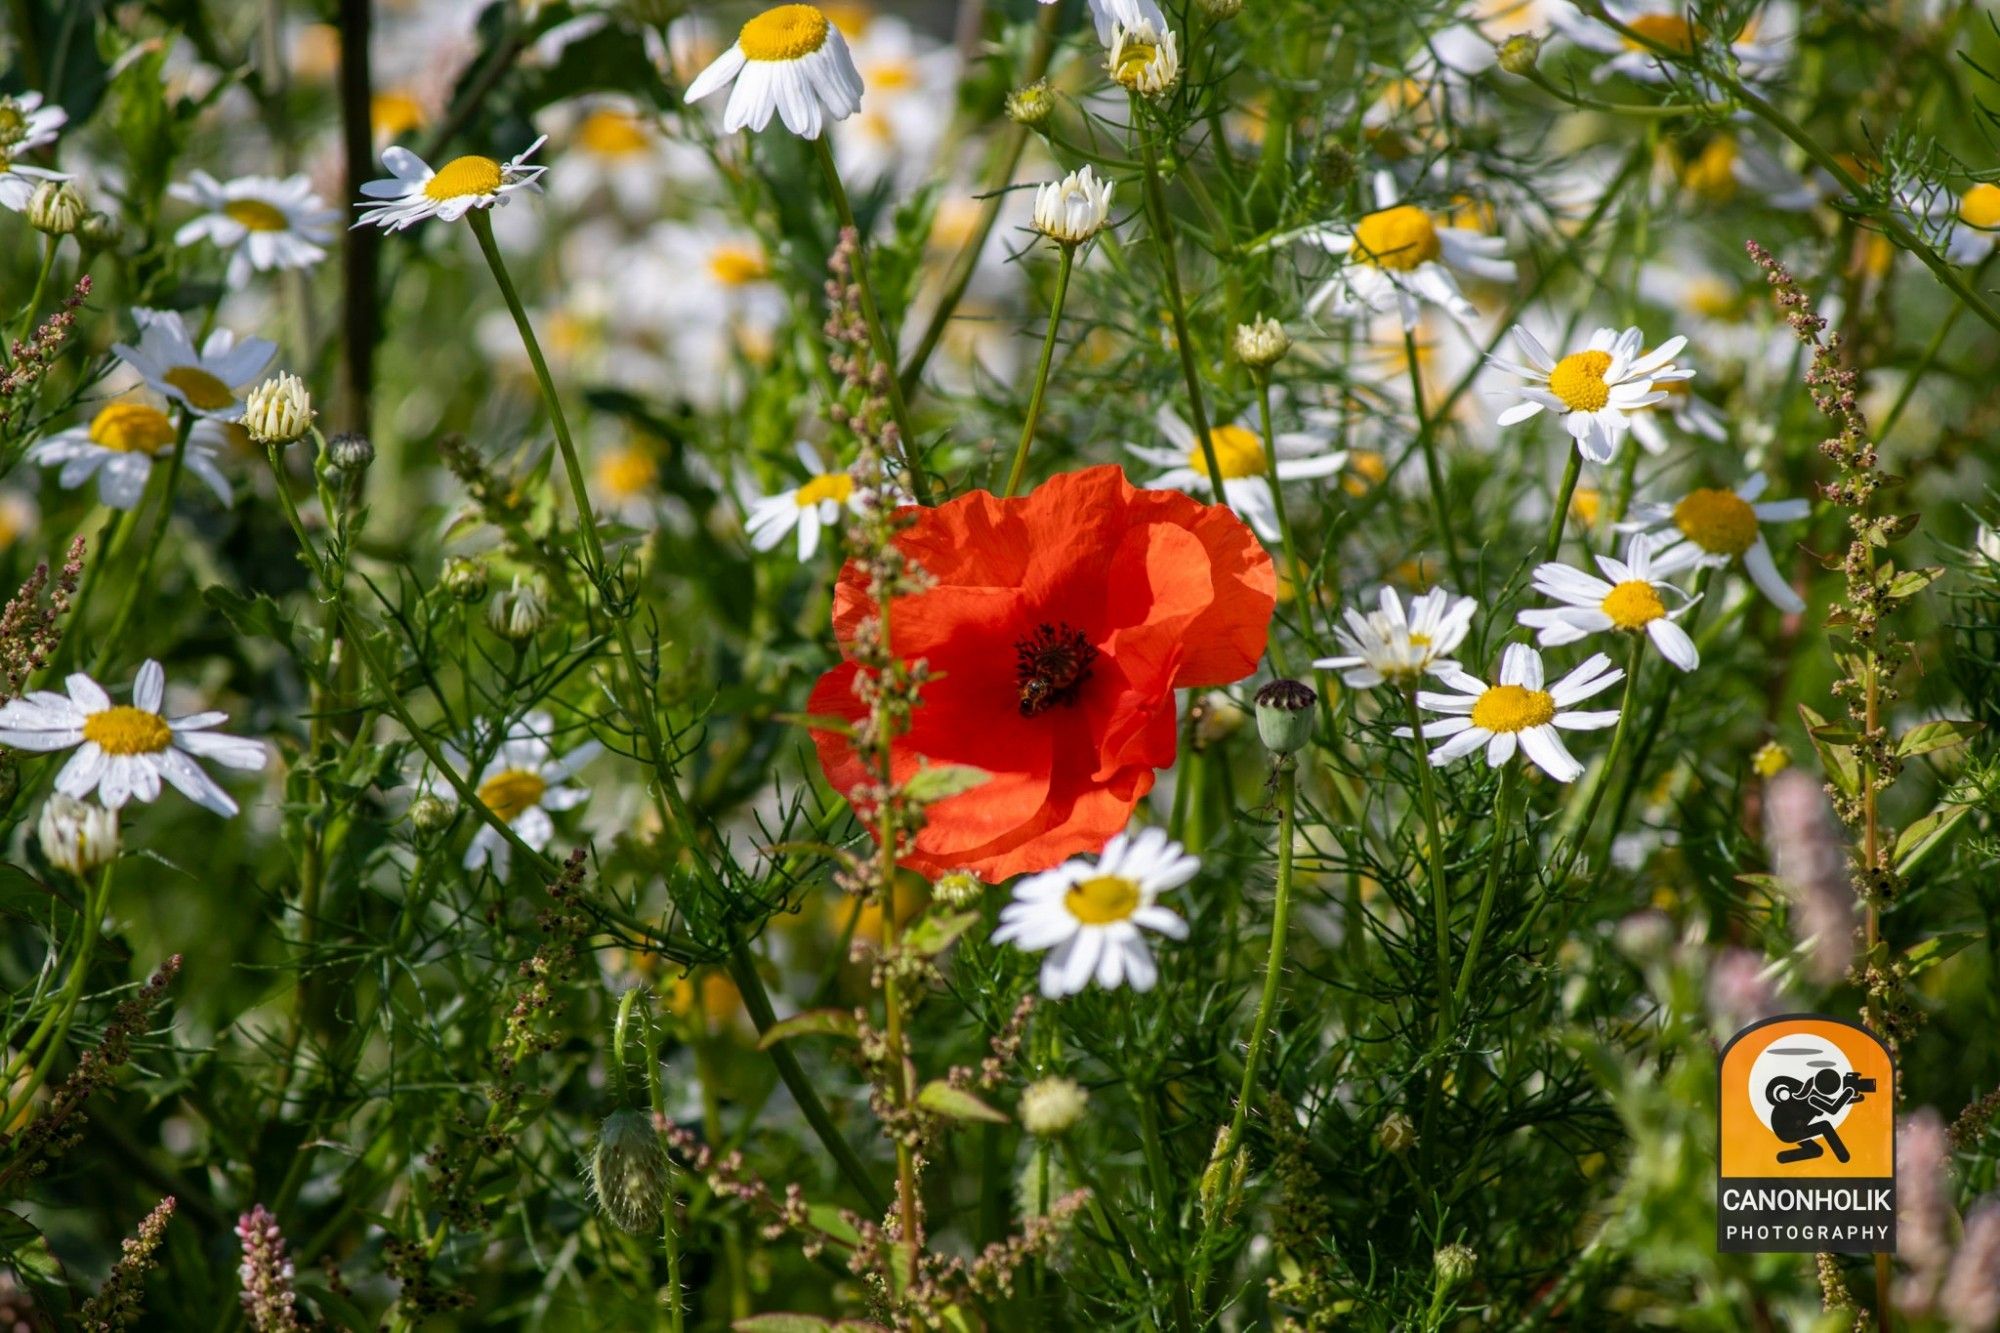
[[462, 176], [1132, 62], [1668, 30], [610, 133], [1980, 207], [395, 113], [1102, 899], [1578, 380], [256, 214], [1420, 640], [203, 390], [131, 428], [1712, 173], [1365, 468], [1633, 604], [890, 74], [127, 730], [789, 32], [834, 486], [737, 265], [1397, 238], [512, 792], [1719, 522], [627, 472], [1238, 452], [1513, 708], [1586, 504]]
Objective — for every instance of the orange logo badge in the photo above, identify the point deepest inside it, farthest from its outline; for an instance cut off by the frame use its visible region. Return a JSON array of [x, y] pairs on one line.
[[1808, 1139]]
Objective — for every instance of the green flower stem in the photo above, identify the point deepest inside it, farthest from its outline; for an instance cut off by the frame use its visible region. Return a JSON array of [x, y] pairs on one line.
[[49, 244], [1572, 468], [1599, 785], [142, 575], [1293, 567], [878, 334], [54, 1027], [1163, 238], [1434, 471], [1434, 858], [1020, 467], [669, 1236], [1274, 965], [1503, 815]]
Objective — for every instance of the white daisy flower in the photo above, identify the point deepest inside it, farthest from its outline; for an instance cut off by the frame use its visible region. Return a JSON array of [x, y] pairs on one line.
[[1239, 452], [1401, 255], [908, 77], [414, 192], [1630, 601], [521, 784], [265, 223], [1760, 49], [1595, 389], [210, 382], [1387, 646], [1110, 15], [1144, 58], [124, 750], [119, 447], [1690, 413], [1090, 913], [810, 508], [1517, 712], [1710, 527], [25, 125], [791, 61]]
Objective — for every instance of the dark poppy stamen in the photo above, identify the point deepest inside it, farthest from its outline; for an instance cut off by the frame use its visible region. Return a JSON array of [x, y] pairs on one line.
[[1051, 666]]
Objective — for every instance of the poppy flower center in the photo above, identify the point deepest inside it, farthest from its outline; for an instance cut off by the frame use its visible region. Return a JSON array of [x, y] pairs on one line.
[[255, 215], [1102, 900], [464, 176], [835, 486], [1668, 30], [1633, 604], [1397, 238], [1719, 522], [1980, 207], [126, 730], [1050, 667], [735, 265], [788, 32], [1578, 380], [1513, 708], [609, 133], [627, 472], [511, 793], [1238, 452], [131, 428], [203, 391]]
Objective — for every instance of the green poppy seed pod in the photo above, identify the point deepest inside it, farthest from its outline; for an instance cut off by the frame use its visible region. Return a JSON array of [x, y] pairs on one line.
[[628, 1171], [1518, 54], [464, 579], [1285, 715], [1454, 1263], [1031, 105]]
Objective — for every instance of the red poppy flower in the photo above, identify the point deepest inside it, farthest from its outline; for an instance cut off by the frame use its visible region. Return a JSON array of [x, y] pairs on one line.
[[1059, 627]]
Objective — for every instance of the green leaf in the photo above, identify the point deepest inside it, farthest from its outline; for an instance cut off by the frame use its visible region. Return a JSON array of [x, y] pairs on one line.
[[1842, 769], [1912, 581], [934, 934], [1918, 840], [811, 1023], [1939, 735], [936, 782], [26, 1251], [782, 1323], [1929, 953], [256, 616], [958, 1104]]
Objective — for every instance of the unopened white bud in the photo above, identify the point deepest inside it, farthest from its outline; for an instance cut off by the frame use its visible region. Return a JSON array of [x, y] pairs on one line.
[[77, 836], [56, 208], [1074, 209], [1146, 61], [279, 410]]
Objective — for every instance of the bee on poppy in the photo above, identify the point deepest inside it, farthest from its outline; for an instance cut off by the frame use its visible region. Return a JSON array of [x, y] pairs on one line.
[[1052, 665]]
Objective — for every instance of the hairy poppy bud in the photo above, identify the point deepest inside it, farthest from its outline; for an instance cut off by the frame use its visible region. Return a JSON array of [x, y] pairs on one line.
[[1285, 716], [628, 1171]]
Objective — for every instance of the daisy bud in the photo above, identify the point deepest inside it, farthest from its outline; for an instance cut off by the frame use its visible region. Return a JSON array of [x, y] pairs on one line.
[[1517, 55], [1261, 343], [1031, 105], [1074, 209], [464, 580], [1285, 715], [516, 615], [628, 1171], [1397, 1133], [1219, 11], [958, 890], [55, 208], [350, 453], [1050, 1107], [77, 836], [100, 232], [279, 410], [1144, 61], [1454, 1264], [430, 814]]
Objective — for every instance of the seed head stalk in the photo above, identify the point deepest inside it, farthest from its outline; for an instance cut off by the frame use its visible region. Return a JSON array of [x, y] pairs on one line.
[[1020, 467]]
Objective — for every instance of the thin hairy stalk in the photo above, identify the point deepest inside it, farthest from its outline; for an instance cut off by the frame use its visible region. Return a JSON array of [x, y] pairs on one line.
[[1433, 470], [1503, 814], [1163, 239], [1020, 467], [1433, 858], [142, 576]]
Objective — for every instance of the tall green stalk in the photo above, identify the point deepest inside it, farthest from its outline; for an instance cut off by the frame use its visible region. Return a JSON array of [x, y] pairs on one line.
[[1020, 467]]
